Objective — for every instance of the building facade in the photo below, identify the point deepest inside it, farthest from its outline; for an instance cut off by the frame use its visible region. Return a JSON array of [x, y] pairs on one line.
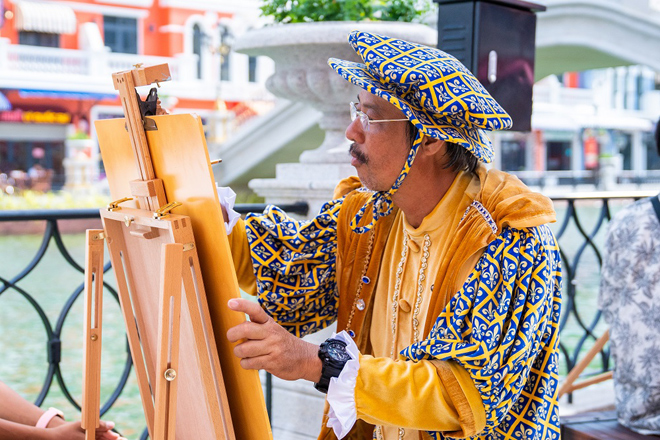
[[586, 124], [56, 61]]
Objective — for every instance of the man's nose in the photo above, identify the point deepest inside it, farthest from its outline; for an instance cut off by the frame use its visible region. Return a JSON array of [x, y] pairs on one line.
[[355, 132]]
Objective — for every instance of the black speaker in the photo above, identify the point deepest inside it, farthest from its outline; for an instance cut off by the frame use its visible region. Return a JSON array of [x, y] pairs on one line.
[[495, 39]]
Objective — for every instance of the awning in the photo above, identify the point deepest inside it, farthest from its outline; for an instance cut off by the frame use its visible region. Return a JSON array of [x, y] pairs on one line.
[[45, 17], [61, 94]]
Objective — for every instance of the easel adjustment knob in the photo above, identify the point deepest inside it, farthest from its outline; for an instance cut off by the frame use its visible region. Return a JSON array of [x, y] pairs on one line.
[[170, 374], [163, 211], [114, 206]]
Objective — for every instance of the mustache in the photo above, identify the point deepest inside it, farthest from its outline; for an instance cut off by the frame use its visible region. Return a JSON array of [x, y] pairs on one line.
[[353, 151]]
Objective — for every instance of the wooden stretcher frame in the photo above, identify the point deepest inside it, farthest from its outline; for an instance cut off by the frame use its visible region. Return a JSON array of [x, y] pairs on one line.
[[569, 385], [162, 273]]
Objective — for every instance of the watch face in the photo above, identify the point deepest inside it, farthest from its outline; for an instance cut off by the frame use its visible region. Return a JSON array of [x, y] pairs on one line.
[[337, 350]]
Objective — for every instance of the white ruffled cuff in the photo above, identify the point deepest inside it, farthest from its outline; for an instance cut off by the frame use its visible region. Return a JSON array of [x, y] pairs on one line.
[[227, 198], [341, 392]]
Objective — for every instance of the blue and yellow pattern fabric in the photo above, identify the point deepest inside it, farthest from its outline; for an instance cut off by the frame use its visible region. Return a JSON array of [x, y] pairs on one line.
[[503, 328], [296, 260]]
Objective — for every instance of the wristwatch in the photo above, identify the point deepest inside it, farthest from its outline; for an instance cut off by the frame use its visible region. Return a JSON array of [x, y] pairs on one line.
[[334, 356]]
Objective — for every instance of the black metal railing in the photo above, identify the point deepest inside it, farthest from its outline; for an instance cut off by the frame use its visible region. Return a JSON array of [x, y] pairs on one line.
[[52, 234], [584, 317], [576, 238]]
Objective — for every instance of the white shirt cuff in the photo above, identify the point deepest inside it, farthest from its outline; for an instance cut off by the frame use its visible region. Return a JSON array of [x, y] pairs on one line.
[[341, 392], [227, 198]]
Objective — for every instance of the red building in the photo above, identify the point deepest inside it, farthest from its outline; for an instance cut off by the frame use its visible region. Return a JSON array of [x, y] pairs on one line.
[[57, 57]]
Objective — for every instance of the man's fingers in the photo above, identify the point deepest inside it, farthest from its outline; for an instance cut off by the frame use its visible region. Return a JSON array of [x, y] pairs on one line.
[[247, 330], [252, 309], [255, 363], [252, 349]]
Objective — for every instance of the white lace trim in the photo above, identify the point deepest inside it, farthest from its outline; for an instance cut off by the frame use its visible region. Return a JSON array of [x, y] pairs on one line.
[[484, 213], [341, 392], [227, 198]]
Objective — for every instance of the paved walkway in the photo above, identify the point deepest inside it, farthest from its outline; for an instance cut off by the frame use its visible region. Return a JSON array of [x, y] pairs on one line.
[[594, 398]]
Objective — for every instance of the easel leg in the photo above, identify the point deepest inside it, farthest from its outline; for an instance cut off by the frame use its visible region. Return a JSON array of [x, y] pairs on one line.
[[168, 341], [212, 375], [91, 397]]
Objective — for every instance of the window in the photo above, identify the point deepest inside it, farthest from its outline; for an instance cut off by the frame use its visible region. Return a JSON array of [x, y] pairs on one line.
[[252, 69], [120, 34], [623, 145], [225, 64], [513, 155], [652, 155], [38, 39], [197, 48], [226, 42], [558, 156]]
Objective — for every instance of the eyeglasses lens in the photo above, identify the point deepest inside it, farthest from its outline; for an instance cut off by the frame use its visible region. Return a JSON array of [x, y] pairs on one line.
[[364, 119]]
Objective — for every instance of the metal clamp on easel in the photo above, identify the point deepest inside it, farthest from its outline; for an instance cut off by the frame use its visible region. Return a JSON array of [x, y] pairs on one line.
[[148, 107], [164, 210], [114, 206]]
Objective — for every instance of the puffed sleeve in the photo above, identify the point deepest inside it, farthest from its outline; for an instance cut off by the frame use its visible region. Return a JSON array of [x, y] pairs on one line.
[[421, 395], [295, 266], [503, 328], [240, 254]]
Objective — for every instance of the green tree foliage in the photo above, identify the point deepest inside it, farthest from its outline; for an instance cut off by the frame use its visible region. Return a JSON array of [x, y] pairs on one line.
[[303, 11]]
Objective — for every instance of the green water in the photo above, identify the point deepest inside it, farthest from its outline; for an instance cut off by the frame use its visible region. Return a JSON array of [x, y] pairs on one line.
[[587, 275], [23, 337], [23, 340]]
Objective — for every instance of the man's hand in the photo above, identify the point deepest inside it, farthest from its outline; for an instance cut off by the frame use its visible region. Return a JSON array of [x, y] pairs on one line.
[[266, 345]]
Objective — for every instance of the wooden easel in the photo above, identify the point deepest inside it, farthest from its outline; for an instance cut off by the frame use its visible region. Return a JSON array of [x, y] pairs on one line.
[[176, 319], [569, 385]]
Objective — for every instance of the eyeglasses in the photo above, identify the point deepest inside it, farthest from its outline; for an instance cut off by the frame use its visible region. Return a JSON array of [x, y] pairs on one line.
[[364, 118]]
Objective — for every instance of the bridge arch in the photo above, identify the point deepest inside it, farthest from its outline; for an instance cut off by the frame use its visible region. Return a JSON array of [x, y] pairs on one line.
[[589, 34]]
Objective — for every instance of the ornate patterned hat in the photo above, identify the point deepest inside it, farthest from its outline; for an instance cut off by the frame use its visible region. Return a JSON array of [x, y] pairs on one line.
[[432, 88]]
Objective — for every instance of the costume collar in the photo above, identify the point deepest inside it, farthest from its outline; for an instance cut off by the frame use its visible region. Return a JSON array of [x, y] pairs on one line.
[[446, 209]]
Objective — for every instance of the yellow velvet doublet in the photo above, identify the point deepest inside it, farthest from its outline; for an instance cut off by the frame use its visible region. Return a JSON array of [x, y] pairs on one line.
[[383, 386]]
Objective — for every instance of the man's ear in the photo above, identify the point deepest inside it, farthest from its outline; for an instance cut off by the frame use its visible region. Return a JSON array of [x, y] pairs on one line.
[[432, 146]]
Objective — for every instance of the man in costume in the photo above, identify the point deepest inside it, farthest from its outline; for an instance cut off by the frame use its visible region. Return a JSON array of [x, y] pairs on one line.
[[630, 300], [443, 277]]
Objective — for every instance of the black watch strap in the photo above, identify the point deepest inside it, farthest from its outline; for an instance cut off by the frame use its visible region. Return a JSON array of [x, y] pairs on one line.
[[333, 355]]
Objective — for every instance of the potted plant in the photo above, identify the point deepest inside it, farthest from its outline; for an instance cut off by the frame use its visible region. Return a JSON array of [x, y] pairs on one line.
[[308, 32], [304, 11]]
